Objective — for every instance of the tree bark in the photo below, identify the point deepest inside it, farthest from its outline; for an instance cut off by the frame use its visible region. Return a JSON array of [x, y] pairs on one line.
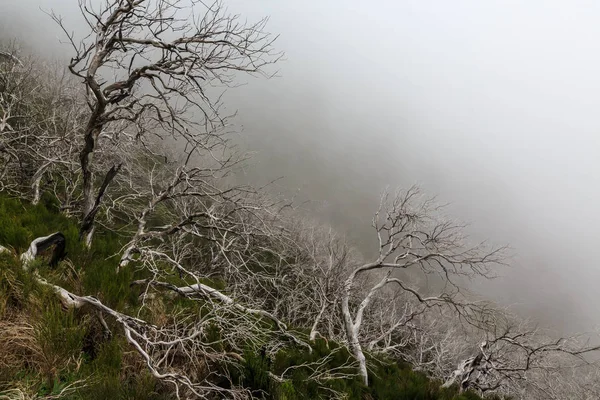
[[313, 330], [87, 224], [353, 343]]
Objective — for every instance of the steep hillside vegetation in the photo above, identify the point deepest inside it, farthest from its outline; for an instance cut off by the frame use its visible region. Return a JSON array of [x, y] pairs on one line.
[[180, 282], [47, 351]]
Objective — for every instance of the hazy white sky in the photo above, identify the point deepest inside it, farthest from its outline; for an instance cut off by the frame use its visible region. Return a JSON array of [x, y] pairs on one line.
[[494, 105]]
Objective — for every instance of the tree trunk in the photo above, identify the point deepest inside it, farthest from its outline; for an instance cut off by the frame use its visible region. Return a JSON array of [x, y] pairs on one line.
[[353, 343], [36, 189], [86, 229], [313, 330], [37, 179], [85, 158]]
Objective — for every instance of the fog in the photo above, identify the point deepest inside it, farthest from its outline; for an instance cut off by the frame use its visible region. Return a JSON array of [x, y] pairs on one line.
[[492, 106]]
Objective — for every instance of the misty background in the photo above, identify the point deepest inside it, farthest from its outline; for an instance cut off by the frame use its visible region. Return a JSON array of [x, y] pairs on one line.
[[493, 106]]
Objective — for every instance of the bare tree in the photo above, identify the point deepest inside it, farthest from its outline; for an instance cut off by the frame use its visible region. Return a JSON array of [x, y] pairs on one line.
[[412, 236], [150, 76], [181, 350], [435, 342], [148, 64], [308, 292], [517, 357], [330, 257], [40, 112]]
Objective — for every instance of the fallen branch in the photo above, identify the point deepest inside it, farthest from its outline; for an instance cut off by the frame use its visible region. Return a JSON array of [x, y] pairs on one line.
[[42, 243], [137, 331], [210, 292], [154, 343]]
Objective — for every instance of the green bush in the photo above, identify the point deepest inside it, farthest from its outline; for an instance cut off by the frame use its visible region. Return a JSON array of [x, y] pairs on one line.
[[388, 380]]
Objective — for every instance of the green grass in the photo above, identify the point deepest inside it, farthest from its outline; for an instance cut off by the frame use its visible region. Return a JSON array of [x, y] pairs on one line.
[[388, 380], [59, 348], [65, 346]]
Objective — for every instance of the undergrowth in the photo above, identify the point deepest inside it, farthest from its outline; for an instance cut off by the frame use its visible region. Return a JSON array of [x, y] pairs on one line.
[[46, 350]]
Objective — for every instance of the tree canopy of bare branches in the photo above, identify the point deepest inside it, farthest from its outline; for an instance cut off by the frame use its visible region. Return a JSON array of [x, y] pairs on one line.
[[133, 139], [411, 235], [40, 114], [151, 69]]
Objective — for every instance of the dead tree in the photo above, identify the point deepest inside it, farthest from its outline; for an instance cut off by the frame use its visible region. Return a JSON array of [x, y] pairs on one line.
[[308, 287], [517, 357], [330, 257], [186, 222], [147, 64], [39, 119], [56, 240], [431, 342], [181, 351], [412, 237]]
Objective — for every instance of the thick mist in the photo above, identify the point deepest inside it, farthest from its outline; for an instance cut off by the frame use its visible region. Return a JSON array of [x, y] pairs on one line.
[[490, 105]]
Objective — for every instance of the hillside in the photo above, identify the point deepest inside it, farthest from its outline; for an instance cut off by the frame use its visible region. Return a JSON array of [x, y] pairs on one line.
[[49, 352], [138, 262]]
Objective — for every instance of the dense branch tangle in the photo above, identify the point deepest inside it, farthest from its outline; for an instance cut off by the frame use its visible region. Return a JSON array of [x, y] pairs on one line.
[[195, 347], [517, 358], [411, 235], [154, 64], [151, 77], [40, 115]]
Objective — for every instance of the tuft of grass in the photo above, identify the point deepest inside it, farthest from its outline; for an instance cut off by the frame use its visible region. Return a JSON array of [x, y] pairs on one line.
[[60, 335], [16, 285], [19, 348]]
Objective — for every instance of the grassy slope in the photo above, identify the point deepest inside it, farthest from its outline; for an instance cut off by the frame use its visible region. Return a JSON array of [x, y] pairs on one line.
[[45, 349]]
